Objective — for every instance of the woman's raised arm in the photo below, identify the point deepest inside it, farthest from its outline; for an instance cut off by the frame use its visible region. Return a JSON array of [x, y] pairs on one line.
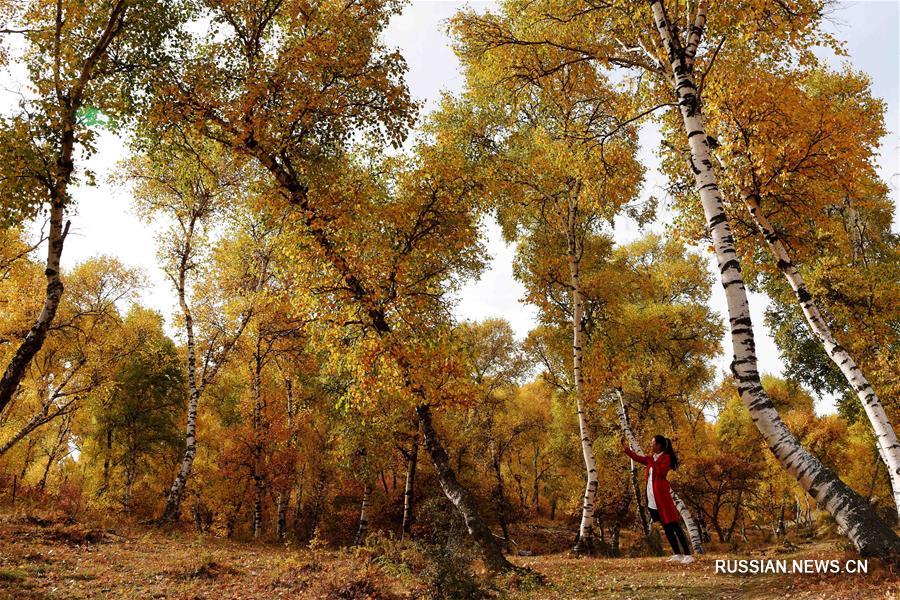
[[632, 454]]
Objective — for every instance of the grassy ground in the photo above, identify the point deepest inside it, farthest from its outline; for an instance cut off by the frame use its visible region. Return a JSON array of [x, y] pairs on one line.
[[40, 559]]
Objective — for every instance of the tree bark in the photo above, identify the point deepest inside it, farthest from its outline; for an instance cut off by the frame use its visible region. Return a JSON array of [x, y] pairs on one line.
[[886, 438], [409, 488], [172, 510], [585, 530], [258, 477], [855, 516], [460, 497], [284, 500], [196, 383], [35, 337], [363, 528]]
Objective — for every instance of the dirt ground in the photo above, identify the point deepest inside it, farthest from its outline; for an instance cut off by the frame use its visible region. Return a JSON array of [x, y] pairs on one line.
[[44, 559]]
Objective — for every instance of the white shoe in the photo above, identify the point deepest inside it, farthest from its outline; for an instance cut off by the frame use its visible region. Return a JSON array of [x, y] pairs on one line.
[[675, 558], [688, 559]]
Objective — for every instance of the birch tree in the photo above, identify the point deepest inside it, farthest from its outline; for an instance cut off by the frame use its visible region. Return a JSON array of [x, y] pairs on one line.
[[853, 514], [558, 159], [77, 58], [409, 486], [677, 53], [178, 182], [252, 92], [833, 123]]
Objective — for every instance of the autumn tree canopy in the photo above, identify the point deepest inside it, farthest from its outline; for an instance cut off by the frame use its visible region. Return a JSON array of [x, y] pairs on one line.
[[309, 377]]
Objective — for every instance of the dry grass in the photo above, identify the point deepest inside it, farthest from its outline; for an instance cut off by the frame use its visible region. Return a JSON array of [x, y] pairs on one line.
[[653, 578], [58, 560]]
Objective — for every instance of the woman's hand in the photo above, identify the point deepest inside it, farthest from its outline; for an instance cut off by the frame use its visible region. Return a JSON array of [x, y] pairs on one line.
[[625, 445]]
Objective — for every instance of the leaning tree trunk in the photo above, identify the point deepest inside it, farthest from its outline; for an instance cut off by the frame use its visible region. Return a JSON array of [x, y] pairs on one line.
[[44, 415], [35, 337], [855, 516], [173, 502], [70, 102], [585, 530], [377, 318], [461, 497], [689, 523], [196, 384], [886, 439], [36, 421]]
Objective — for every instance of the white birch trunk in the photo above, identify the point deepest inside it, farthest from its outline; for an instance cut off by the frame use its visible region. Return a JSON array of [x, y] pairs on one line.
[[854, 515], [585, 529], [886, 438], [693, 530], [196, 383], [172, 509], [284, 497], [460, 496], [173, 501], [363, 517], [258, 478], [409, 487], [284, 500]]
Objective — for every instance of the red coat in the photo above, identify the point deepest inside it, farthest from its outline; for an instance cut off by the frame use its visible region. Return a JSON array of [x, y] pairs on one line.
[[662, 493]]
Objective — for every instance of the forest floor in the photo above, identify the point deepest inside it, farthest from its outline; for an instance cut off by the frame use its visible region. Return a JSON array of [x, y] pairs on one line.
[[47, 559]]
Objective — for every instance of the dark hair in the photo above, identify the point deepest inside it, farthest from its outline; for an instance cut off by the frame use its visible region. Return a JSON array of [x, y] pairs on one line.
[[666, 445]]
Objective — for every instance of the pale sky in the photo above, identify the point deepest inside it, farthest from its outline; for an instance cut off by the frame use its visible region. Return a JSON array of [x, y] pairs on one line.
[[105, 223]]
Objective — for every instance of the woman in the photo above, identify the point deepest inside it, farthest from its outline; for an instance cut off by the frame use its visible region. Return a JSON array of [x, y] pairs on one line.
[[659, 494]]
